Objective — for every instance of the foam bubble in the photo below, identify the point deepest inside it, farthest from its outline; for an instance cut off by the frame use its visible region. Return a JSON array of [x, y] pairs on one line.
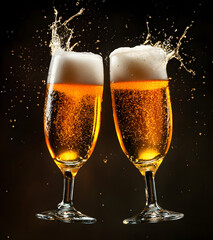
[[144, 62], [76, 67]]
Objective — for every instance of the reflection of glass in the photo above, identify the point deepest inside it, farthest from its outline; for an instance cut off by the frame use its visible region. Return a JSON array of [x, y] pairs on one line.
[[72, 121], [143, 121]]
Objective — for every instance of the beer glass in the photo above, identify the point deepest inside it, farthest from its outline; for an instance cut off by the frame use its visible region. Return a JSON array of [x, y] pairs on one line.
[[143, 118], [71, 122]]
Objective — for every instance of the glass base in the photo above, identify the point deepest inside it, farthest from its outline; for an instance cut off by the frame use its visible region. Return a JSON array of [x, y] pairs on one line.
[[153, 215], [66, 215]]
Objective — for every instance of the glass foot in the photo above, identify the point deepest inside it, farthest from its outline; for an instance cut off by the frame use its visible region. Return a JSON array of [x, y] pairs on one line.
[[66, 215], [154, 215]]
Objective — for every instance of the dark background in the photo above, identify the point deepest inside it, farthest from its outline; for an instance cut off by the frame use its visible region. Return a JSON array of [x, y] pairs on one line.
[[108, 186]]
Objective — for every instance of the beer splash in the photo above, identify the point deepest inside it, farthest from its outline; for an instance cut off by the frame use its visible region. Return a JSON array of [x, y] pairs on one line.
[[168, 48], [62, 34]]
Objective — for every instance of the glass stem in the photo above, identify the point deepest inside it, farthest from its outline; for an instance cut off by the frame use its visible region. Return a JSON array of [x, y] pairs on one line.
[[150, 191], [68, 188]]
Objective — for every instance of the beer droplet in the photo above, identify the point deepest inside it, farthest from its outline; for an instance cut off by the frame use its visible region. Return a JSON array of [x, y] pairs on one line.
[[105, 160]]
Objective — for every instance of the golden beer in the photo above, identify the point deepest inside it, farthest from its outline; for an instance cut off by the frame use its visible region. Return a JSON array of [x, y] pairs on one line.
[[143, 121], [71, 122]]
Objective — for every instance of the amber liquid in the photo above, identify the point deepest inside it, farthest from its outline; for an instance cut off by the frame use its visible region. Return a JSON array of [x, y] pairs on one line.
[[71, 123], [143, 121]]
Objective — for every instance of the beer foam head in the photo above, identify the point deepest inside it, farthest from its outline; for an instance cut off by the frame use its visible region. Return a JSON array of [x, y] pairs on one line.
[[76, 67], [143, 62]]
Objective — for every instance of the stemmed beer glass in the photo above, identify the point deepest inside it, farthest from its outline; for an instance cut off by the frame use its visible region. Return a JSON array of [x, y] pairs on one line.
[[143, 118], [71, 122]]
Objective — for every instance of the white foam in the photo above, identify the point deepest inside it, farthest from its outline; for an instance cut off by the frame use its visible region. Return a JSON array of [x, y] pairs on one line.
[[76, 67], [142, 62]]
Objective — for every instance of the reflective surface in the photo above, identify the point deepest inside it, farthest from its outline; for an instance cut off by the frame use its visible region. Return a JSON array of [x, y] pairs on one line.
[[152, 212], [67, 214]]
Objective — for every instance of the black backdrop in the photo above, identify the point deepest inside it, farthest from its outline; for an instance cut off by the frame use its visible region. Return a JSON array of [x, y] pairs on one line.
[[108, 186]]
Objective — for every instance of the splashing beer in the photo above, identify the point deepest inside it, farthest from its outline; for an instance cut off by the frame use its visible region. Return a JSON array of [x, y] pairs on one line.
[[71, 115]]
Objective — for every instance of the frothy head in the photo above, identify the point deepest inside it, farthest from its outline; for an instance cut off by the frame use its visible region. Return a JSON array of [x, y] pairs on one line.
[[143, 62], [76, 68]]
